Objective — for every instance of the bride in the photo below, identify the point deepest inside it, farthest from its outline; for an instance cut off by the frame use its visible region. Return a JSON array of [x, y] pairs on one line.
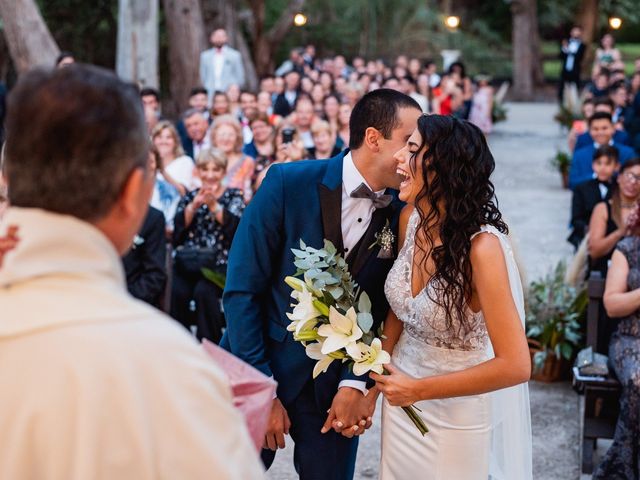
[[455, 331]]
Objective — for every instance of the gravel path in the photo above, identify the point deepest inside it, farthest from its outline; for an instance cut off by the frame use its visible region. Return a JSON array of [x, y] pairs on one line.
[[537, 210]]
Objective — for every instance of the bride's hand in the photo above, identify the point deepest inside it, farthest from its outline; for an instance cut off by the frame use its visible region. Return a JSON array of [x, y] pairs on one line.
[[399, 389], [9, 241]]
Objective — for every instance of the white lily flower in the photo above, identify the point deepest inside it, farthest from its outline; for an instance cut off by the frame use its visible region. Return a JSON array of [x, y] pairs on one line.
[[368, 358], [304, 312], [340, 331], [314, 351]]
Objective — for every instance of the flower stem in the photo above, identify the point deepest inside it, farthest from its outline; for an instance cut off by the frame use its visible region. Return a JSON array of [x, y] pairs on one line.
[[413, 415]]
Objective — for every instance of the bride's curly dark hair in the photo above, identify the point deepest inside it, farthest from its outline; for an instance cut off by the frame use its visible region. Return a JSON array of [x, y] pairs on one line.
[[456, 166]]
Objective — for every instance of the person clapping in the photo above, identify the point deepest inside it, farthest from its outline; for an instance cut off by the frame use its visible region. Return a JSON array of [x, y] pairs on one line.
[[205, 223]]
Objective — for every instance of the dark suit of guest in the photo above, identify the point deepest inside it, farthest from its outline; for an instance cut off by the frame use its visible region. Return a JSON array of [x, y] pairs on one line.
[[571, 57], [581, 168], [283, 106], [585, 197], [144, 264]]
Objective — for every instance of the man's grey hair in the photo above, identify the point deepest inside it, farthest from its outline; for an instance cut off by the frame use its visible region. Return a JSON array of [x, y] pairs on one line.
[[74, 135], [190, 113]]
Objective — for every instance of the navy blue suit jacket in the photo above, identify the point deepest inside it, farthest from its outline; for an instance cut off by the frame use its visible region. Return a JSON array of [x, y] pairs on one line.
[[581, 168], [296, 201]]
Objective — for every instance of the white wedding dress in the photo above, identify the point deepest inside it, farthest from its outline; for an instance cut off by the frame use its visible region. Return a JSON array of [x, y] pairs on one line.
[[481, 437]]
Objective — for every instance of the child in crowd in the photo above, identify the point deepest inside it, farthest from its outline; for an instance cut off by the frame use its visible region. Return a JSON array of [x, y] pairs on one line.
[[588, 194]]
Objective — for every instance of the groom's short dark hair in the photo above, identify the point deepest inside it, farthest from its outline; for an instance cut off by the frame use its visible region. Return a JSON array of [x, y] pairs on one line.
[[377, 109]]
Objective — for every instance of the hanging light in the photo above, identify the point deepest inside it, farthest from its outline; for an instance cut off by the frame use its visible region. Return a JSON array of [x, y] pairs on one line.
[[300, 19], [615, 22], [452, 22]]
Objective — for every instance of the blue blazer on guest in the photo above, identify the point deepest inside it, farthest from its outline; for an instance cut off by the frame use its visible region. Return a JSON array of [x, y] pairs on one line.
[[300, 200], [584, 139], [581, 164]]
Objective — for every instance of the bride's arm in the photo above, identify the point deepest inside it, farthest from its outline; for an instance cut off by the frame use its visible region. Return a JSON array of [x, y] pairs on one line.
[[511, 365]]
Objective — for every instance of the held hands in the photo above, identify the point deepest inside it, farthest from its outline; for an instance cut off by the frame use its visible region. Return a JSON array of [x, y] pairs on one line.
[[277, 427], [399, 389], [351, 412]]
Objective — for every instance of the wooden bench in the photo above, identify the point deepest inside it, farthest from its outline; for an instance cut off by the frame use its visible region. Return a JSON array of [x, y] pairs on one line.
[[600, 397]]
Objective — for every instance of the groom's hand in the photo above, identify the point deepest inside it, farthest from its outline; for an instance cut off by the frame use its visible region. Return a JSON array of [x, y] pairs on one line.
[[277, 427], [350, 413]]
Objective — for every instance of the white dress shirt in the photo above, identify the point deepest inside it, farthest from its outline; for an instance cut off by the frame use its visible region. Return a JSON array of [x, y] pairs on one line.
[[201, 145], [355, 218], [218, 65]]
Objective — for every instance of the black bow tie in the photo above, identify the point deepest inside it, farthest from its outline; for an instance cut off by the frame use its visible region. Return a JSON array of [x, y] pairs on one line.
[[363, 191]]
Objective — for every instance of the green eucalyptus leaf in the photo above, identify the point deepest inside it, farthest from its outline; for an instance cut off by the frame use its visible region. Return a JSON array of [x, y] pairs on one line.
[[364, 303], [365, 321]]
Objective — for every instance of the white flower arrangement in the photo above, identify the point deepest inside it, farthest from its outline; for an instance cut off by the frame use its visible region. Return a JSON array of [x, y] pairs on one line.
[[332, 319]]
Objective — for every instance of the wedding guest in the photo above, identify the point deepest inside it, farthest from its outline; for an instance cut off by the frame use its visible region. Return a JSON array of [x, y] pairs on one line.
[[607, 54], [285, 102], [197, 127], [344, 113], [226, 134], [289, 148], [205, 223], [609, 220], [571, 54], [220, 105], [265, 107], [601, 131], [145, 262], [603, 104], [166, 190], [113, 388], [457, 73], [331, 104], [151, 99], [173, 161], [600, 85], [197, 100], [262, 148], [221, 66], [482, 105], [324, 141], [303, 119], [580, 126], [622, 301], [233, 94], [588, 194]]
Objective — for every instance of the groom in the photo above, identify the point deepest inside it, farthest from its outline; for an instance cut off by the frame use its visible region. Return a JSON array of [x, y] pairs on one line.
[[343, 199]]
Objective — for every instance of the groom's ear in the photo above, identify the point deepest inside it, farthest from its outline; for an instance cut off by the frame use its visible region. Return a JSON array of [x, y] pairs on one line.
[[372, 138]]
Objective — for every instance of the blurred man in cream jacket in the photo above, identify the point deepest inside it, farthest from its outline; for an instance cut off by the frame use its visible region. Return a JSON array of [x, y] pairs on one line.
[[95, 385]]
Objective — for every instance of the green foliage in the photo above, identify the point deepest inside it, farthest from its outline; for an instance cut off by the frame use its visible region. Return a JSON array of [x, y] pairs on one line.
[[561, 161], [554, 310], [218, 279]]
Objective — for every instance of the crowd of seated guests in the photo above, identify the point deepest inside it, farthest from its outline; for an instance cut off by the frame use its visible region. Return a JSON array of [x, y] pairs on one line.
[[605, 218]]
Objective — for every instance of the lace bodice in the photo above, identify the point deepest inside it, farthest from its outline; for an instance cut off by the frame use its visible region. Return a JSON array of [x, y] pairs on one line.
[[423, 319]]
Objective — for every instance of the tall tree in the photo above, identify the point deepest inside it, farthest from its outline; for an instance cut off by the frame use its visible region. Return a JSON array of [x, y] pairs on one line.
[[523, 14], [29, 40], [137, 44], [185, 31], [265, 42]]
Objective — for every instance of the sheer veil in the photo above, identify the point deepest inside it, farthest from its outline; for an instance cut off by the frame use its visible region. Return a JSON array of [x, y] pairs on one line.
[[511, 454]]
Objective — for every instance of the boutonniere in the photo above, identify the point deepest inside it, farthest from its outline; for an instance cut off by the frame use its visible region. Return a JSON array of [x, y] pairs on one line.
[[137, 241], [384, 239]]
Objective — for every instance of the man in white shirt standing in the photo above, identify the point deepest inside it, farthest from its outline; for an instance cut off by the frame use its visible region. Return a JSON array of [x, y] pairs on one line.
[[96, 384], [221, 66]]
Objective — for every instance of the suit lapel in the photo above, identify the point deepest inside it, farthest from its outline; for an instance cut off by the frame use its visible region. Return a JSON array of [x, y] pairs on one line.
[[330, 194]]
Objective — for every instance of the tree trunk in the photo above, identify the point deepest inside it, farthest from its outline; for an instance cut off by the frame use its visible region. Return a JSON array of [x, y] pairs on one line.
[[185, 31], [588, 20], [265, 43], [536, 51], [137, 43], [29, 40], [521, 11]]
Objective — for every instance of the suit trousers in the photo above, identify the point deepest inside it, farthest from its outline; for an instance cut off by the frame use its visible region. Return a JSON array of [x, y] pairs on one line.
[[316, 456]]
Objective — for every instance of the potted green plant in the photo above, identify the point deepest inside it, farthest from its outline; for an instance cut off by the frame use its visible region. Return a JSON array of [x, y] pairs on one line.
[[561, 162], [553, 323]]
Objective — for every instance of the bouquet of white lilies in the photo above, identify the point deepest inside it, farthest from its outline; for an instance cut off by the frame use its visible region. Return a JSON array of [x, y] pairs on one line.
[[332, 318]]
